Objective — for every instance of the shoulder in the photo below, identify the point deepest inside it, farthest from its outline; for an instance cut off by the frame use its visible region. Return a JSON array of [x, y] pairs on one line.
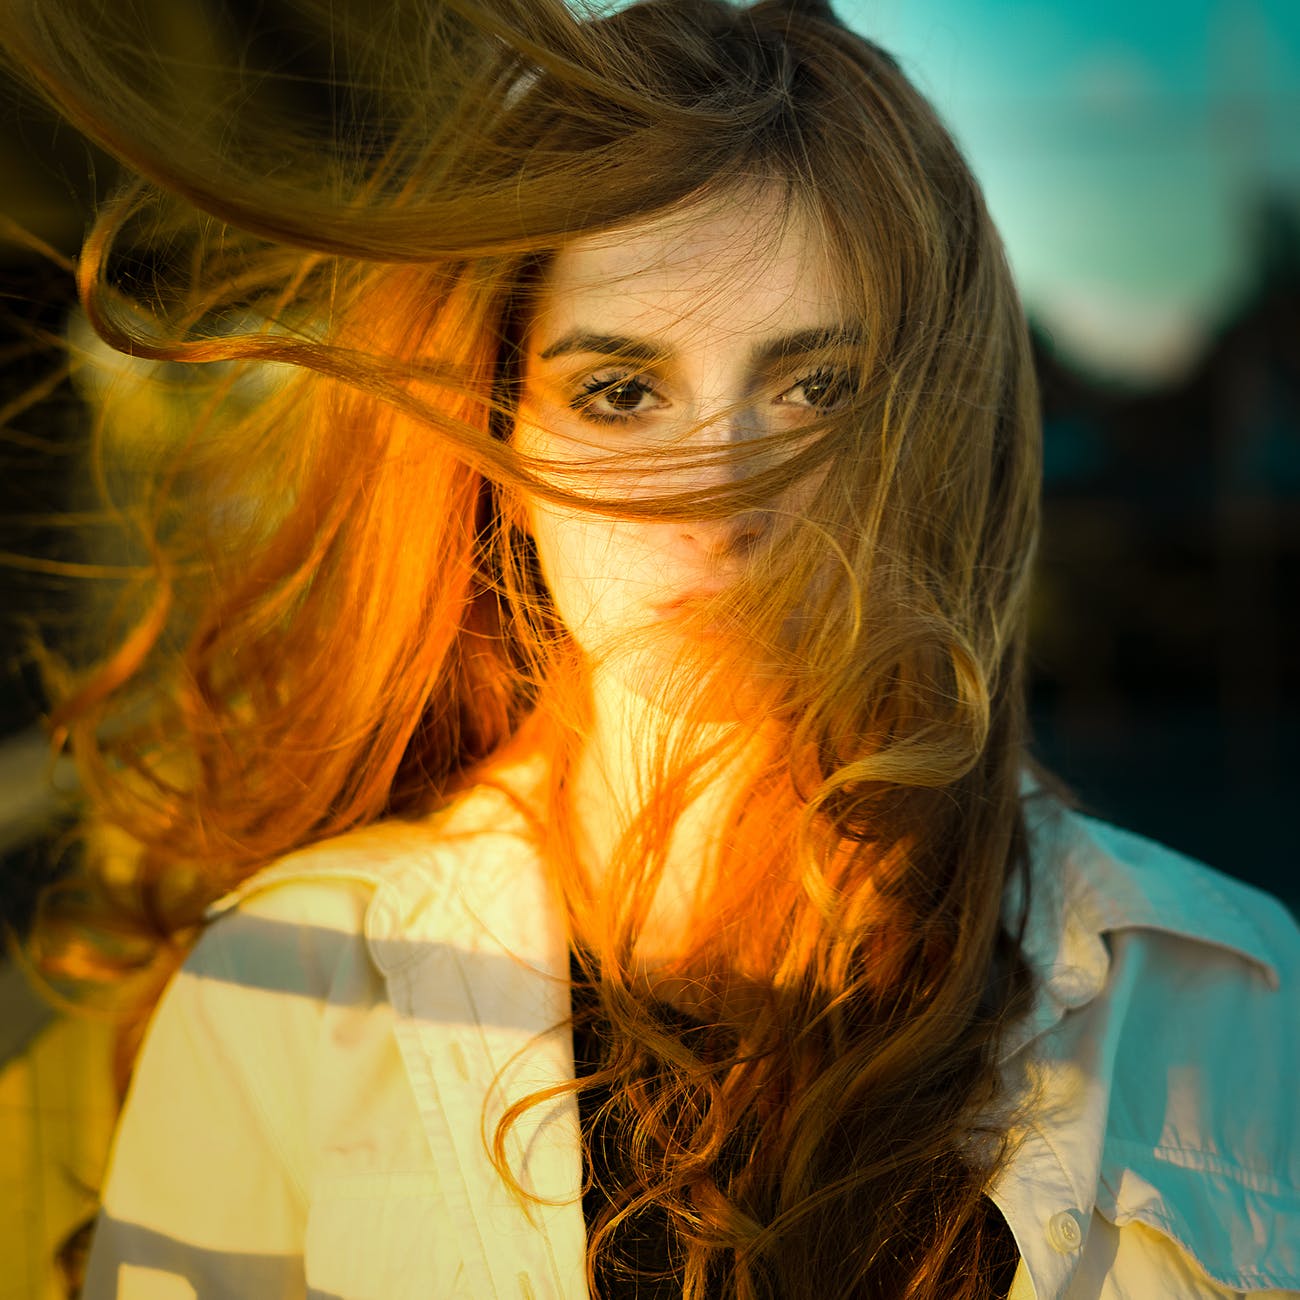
[[1148, 931], [1136, 884], [1165, 1047], [379, 888], [1118, 916]]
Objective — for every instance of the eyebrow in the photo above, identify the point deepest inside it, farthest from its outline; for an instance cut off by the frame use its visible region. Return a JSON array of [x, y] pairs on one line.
[[764, 354]]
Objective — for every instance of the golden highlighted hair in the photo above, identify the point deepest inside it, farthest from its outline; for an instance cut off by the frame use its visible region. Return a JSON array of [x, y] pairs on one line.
[[337, 618]]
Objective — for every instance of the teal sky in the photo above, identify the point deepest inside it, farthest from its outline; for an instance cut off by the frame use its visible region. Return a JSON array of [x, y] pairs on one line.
[[1121, 146]]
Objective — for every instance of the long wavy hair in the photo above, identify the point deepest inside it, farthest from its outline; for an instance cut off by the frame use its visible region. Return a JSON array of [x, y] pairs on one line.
[[336, 615]]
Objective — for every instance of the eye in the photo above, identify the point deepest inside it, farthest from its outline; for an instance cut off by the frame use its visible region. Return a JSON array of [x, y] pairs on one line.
[[611, 399], [823, 390]]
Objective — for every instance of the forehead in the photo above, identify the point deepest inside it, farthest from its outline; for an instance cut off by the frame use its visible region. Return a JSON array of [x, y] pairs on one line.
[[743, 263]]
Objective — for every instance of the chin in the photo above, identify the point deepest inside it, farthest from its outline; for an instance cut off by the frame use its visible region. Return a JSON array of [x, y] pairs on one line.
[[684, 680]]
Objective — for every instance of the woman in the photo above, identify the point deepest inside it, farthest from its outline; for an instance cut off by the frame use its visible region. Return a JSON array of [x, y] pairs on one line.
[[612, 629]]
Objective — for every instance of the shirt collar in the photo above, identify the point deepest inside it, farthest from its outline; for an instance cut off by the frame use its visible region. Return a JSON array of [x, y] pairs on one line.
[[1088, 879], [1128, 882]]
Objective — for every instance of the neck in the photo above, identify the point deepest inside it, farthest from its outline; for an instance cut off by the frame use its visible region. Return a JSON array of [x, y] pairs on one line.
[[607, 786]]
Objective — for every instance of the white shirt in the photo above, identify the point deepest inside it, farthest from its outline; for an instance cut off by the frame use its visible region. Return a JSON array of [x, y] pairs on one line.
[[308, 1111]]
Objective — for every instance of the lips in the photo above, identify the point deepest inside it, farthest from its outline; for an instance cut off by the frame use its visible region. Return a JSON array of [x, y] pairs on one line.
[[687, 600]]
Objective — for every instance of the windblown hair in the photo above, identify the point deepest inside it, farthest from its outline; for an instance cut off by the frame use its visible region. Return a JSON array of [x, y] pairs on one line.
[[339, 619]]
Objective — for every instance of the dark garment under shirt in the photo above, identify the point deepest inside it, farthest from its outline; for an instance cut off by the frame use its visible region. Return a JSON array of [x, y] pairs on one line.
[[635, 1267], [631, 1271]]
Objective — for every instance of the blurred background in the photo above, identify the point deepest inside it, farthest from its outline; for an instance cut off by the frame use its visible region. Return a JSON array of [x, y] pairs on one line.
[[1143, 163]]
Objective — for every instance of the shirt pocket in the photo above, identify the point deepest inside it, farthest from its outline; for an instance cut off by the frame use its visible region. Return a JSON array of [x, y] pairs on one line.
[[1202, 1224]]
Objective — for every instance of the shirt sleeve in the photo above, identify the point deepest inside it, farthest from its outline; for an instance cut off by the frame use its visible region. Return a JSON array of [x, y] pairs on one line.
[[205, 1194]]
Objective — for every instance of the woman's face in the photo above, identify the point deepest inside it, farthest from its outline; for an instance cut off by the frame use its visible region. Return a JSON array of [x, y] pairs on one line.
[[710, 326]]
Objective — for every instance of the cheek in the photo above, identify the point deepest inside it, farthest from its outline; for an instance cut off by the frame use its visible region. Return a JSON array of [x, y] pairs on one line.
[[590, 565]]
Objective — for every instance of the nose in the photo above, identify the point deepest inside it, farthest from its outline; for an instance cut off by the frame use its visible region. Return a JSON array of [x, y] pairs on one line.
[[733, 538]]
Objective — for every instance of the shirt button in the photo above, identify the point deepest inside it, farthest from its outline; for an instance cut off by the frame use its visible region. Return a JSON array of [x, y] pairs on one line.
[[1064, 1233]]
